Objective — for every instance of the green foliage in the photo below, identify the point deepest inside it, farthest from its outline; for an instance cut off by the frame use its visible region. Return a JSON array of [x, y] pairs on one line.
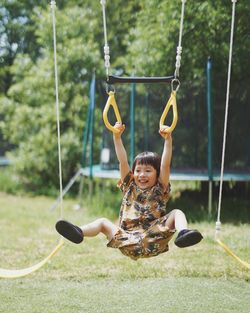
[[29, 109], [9, 182]]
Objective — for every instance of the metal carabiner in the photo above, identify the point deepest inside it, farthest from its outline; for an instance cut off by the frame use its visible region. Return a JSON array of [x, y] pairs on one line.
[[173, 82], [110, 88]]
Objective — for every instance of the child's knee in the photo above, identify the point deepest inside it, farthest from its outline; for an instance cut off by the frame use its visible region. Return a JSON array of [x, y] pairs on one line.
[[108, 228], [104, 224], [178, 212]]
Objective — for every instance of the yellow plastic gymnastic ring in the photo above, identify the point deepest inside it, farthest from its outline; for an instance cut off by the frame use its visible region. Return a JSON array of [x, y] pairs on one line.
[[171, 103], [111, 102]]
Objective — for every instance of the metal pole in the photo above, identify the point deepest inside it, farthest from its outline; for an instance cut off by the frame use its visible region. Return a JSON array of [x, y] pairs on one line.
[[210, 134], [132, 124], [86, 135], [146, 125], [92, 106]]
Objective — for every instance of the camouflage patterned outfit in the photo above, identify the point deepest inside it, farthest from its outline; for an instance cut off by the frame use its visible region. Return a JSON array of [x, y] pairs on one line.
[[142, 224]]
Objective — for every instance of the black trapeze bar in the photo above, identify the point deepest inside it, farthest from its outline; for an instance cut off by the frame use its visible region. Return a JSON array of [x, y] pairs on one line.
[[123, 80]]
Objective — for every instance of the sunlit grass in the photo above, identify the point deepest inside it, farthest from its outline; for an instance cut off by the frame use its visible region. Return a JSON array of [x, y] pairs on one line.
[[28, 234], [93, 278]]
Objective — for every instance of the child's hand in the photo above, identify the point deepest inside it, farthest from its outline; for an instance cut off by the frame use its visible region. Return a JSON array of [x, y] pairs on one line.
[[165, 134], [121, 128]]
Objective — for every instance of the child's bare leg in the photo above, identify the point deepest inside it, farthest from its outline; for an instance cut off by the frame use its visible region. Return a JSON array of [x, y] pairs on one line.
[[177, 220], [101, 225], [76, 234]]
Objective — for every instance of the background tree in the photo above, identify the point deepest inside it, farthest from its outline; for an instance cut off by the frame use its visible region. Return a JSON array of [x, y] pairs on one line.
[[29, 110]]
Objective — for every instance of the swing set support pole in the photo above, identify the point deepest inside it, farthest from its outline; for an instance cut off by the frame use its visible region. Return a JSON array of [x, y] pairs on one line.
[[91, 133], [210, 135], [132, 124]]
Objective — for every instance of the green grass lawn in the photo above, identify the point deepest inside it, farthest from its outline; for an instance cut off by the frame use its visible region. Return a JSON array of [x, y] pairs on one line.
[[92, 278]]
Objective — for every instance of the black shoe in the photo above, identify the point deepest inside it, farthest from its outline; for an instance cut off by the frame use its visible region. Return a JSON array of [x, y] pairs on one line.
[[187, 238], [69, 231]]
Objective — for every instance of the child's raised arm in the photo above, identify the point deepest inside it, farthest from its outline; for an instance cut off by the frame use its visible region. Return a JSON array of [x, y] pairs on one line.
[[166, 158], [120, 151]]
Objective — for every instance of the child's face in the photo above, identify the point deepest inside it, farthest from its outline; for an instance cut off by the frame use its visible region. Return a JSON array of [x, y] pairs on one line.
[[145, 176]]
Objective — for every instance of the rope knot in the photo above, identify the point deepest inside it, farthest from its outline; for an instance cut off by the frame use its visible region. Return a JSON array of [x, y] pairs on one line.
[[106, 49], [179, 49]]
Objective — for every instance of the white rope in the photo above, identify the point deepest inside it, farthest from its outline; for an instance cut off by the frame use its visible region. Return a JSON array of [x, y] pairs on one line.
[[53, 5], [218, 222], [107, 50], [106, 46], [179, 47]]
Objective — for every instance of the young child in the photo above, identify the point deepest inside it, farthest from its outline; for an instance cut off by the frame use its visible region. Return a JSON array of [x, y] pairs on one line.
[[145, 228]]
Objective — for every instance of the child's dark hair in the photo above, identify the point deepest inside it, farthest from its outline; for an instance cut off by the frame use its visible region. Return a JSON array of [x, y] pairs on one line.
[[148, 158]]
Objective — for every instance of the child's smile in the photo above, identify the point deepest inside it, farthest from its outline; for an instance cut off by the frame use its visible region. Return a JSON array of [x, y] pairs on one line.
[[145, 176]]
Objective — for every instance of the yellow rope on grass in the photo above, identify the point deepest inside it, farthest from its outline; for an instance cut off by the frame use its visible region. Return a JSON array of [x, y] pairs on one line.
[[230, 252], [4, 273]]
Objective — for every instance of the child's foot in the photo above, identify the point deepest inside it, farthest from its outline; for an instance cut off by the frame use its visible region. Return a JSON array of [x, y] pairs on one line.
[[69, 231], [187, 238]]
